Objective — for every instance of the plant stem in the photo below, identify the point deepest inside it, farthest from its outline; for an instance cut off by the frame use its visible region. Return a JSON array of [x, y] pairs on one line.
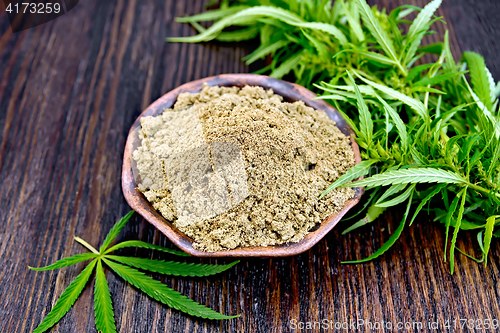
[[87, 245], [482, 189], [403, 70], [469, 256]]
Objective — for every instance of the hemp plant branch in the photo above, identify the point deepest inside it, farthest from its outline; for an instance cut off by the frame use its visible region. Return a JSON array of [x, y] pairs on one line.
[[432, 129]]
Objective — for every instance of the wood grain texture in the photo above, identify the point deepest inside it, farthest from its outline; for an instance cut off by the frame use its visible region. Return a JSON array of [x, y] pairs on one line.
[[70, 90]]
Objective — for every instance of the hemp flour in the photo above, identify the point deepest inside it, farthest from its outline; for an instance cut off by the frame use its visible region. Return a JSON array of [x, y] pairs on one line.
[[233, 167]]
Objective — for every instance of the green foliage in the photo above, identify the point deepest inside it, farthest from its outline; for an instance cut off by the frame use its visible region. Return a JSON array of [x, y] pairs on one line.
[[115, 230], [67, 299], [103, 307], [410, 176], [417, 123], [488, 234], [379, 33], [394, 237], [399, 199], [172, 267], [394, 189], [371, 215], [67, 261], [359, 170], [144, 245], [160, 292], [104, 317], [425, 200], [479, 77], [457, 228], [365, 119], [417, 30]]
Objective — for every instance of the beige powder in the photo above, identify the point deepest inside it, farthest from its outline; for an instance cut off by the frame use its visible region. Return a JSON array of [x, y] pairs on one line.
[[235, 167]]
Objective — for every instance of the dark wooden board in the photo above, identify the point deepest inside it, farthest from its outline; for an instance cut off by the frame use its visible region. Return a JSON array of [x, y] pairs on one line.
[[70, 90]]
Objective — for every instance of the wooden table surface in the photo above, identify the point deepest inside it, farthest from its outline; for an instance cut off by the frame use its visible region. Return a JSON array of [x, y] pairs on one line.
[[69, 91]]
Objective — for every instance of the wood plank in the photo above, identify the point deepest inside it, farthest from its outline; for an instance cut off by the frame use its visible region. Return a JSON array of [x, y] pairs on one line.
[[70, 89]]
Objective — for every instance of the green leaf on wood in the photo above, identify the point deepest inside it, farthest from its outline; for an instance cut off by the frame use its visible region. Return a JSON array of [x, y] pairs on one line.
[[457, 228], [251, 14], [371, 215], [144, 245], [449, 216], [160, 292], [115, 230], [172, 267], [411, 176], [67, 299], [104, 317], [488, 234], [394, 237], [66, 261], [103, 307]]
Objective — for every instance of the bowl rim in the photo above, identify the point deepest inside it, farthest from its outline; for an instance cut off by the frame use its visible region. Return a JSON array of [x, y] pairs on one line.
[[290, 92]]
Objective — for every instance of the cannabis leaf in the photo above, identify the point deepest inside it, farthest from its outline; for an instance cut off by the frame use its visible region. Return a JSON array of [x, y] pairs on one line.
[[392, 239], [162, 293], [435, 191], [399, 199], [67, 299], [359, 170], [418, 28], [479, 77], [490, 223], [66, 262], [396, 95], [253, 14], [413, 175], [365, 120], [457, 228], [396, 188], [381, 36], [104, 317], [403, 134]]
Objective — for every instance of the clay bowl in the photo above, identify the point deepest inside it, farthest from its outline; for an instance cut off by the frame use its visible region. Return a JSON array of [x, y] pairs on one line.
[[291, 92]]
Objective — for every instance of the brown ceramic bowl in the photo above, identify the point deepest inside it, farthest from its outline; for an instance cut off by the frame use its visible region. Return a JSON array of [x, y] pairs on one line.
[[290, 92]]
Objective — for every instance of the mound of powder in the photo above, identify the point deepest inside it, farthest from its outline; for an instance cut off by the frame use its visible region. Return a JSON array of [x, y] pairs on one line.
[[233, 167]]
